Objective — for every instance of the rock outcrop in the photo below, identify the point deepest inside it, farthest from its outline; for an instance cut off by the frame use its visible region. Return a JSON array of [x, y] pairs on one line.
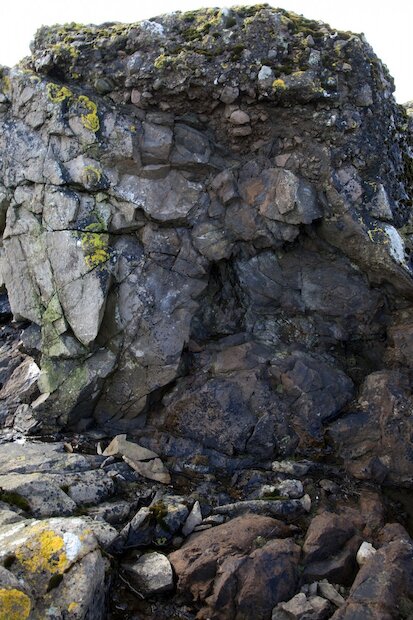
[[206, 245]]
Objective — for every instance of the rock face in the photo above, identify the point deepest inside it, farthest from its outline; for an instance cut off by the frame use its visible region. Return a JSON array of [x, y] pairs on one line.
[[210, 243], [206, 246]]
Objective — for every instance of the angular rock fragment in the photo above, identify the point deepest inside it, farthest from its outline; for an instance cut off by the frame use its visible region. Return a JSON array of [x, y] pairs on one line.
[[120, 446], [154, 469], [151, 574]]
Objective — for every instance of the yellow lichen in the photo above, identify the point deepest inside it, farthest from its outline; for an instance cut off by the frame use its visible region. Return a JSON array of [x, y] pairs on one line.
[[14, 604], [90, 120], [279, 84], [58, 94], [92, 175], [378, 235], [162, 61], [73, 607], [43, 552], [95, 246]]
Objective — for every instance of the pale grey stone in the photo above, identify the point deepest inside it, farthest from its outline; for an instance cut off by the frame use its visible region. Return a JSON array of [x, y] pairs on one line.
[[194, 519], [365, 552], [239, 117], [151, 573], [42, 497], [330, 593]]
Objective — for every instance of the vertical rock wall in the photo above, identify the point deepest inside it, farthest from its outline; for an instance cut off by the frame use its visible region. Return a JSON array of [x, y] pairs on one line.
[[208, 218]]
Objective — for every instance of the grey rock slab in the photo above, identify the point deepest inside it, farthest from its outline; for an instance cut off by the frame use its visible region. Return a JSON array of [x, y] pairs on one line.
[[170, 513], [289, 488], [173, 199], [30, 457], [139, 531], [287, 509], [62, 550], [191, 147], [90, 487], [156, 143], [296, 468], [105, 534], [23, 382], [299, 607], [9, 516], [42, 497], [81, 279], [113, 512], [151, 574]]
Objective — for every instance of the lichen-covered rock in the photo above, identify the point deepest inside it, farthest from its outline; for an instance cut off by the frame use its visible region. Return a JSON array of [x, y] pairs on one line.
[[54, 568]]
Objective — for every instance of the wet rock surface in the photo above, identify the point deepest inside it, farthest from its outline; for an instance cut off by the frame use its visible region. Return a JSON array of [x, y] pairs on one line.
[[206, 323]]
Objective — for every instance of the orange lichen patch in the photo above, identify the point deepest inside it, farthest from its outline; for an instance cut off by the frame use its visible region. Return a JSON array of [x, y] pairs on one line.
[[14, 604], [43, 552]]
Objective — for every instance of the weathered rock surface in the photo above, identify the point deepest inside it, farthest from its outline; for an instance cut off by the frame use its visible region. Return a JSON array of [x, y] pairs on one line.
[[211, 261], [151, 573], [207, 243], [238, 569], [54, 568], [383, 587]]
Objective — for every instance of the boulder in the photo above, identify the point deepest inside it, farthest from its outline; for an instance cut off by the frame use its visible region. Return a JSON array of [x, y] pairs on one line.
[[371, 439], [237, 567], [54, 563], [383, 586]]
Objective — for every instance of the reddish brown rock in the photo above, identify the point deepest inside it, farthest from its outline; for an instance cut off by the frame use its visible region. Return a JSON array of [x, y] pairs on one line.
[[237, 570], [383, 588], [331, 546], [372, 439]]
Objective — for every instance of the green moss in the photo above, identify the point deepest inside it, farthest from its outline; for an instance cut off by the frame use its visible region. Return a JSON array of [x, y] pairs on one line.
[[250, 10], [202, 22], [53, 311], [236, 52], [5, 84], [159, 511], [162, 61]]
